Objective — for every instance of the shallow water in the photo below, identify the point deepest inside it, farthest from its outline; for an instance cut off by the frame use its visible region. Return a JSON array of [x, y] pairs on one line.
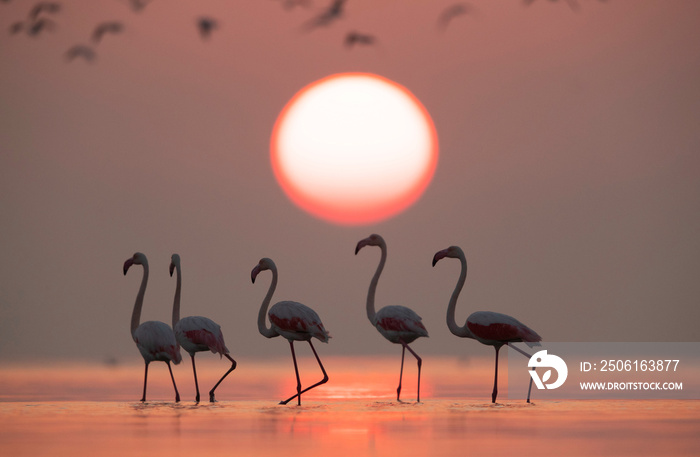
[[92, 410], [353, 427]]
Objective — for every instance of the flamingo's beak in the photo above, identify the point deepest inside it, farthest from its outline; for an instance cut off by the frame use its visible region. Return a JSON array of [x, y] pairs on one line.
[[128, 264], [361, 244], [254, 273], [439, 255], [172, 268]]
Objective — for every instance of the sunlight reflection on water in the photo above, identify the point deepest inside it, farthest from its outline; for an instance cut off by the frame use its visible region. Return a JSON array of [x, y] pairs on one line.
[[44, 412], [351, 427]]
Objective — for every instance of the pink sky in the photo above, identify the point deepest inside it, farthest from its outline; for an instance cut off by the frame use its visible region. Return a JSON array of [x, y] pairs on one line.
[[568, 172]]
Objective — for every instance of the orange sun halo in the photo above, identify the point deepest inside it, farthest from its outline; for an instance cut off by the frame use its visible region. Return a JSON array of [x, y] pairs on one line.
[[354, 148]]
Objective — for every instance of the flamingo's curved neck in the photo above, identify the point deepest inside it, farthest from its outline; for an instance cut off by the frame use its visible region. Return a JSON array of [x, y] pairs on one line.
[[266, 331], [176, 300], [371, 313], [463, 332], [136, 315]]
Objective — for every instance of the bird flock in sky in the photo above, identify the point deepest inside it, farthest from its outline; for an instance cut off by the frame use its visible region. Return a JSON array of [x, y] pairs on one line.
[[42, 18], [157, 341]]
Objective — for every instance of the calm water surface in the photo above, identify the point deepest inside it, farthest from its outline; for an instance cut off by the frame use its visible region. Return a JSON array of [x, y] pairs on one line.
[[355, 427], [42, 414]]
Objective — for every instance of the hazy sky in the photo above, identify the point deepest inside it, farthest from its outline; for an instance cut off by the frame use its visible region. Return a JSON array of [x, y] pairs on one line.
[[569, 172]]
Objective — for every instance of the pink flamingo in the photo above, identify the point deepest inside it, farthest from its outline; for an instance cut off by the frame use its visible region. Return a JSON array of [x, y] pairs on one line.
[[487, 327], [197, 333], [398, 324], [293, 321], [155, 340]]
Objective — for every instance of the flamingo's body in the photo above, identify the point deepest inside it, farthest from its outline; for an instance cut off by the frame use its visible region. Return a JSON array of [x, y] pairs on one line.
[[487, 327], [200, 334], [154, 339], [291, 320], [197, 333], [398, 324], [493, 328], [156, 342], [296, 321]]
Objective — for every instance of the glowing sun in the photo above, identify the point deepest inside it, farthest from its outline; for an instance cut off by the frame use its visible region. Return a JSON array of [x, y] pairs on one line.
[[354, 148]]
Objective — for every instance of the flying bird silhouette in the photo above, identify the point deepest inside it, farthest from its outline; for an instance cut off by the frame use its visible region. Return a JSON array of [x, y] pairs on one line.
[[35, 24], [47, 7], [573, 4], [80, 50], [206, 26], [451, 12], [330, 14], [39, 25], [353, 38], [138, 5], [289, 4], [106, 27], [16, 27]]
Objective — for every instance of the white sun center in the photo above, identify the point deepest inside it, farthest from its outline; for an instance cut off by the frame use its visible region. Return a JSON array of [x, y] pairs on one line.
[[352, 141]]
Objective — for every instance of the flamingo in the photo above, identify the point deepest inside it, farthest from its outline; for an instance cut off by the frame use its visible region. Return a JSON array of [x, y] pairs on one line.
[[197, 333], [293, 321], [206, 26], [138, 5], [104, 28], [289, 4], [353, 38], [155, 340], [398, 324], [487, 327], [80, 50], [451, 12], [330, 14], [49, 7], [41, 24]]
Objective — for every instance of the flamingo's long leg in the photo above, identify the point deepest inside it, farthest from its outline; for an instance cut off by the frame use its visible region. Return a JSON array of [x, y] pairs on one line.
[[196, 384], [420, 364], [398, 389], [296, 370], [322, 381], [233, 367], [519, 350], [145, 379], [495, 378], [529, 389], [177, 394]]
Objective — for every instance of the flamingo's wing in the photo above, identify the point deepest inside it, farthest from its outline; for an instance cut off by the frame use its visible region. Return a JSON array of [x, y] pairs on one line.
[[201, 331], [291, 317], [490, 326], [156, 341], [401, 319]]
